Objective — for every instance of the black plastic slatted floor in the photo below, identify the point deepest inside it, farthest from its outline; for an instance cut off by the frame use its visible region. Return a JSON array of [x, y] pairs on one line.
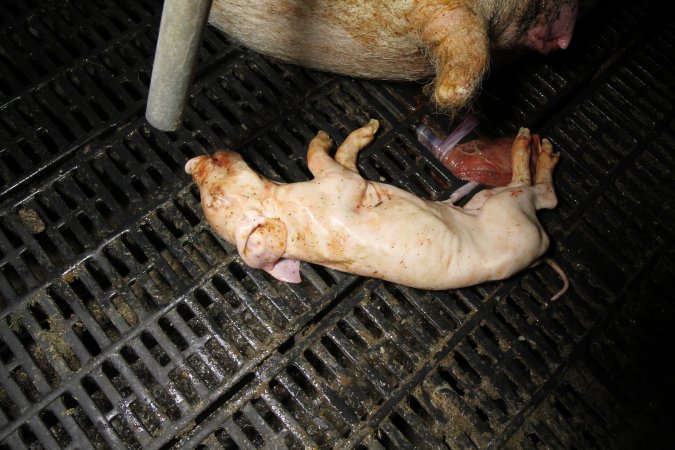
[[126, 323]]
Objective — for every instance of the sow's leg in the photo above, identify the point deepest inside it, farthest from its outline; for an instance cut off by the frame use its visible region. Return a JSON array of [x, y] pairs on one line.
[[458, 42]]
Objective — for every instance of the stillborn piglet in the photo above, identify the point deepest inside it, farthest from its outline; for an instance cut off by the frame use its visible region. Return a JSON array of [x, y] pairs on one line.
[[343, 221]]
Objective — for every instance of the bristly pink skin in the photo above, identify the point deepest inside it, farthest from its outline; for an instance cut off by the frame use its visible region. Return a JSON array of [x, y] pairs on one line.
[[399, 39]]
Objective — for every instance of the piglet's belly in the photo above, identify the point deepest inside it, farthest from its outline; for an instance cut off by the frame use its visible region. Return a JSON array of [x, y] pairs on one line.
[[401, 240]]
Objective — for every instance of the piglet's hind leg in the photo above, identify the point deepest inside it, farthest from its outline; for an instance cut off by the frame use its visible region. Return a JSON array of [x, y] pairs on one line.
[[520, 159], [543, 178]]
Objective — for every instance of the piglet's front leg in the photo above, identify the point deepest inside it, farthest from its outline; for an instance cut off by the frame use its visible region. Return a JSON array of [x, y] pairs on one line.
[[459, 45]]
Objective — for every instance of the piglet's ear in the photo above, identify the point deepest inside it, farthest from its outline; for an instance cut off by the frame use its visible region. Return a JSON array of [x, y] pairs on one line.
[[261, 241], [286, 270]]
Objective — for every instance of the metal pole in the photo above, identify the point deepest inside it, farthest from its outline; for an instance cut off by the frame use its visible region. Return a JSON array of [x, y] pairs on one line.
[[180, 37]]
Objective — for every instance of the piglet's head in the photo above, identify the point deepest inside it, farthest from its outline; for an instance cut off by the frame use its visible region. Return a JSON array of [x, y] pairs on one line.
[[217, 176], [201, 167]]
